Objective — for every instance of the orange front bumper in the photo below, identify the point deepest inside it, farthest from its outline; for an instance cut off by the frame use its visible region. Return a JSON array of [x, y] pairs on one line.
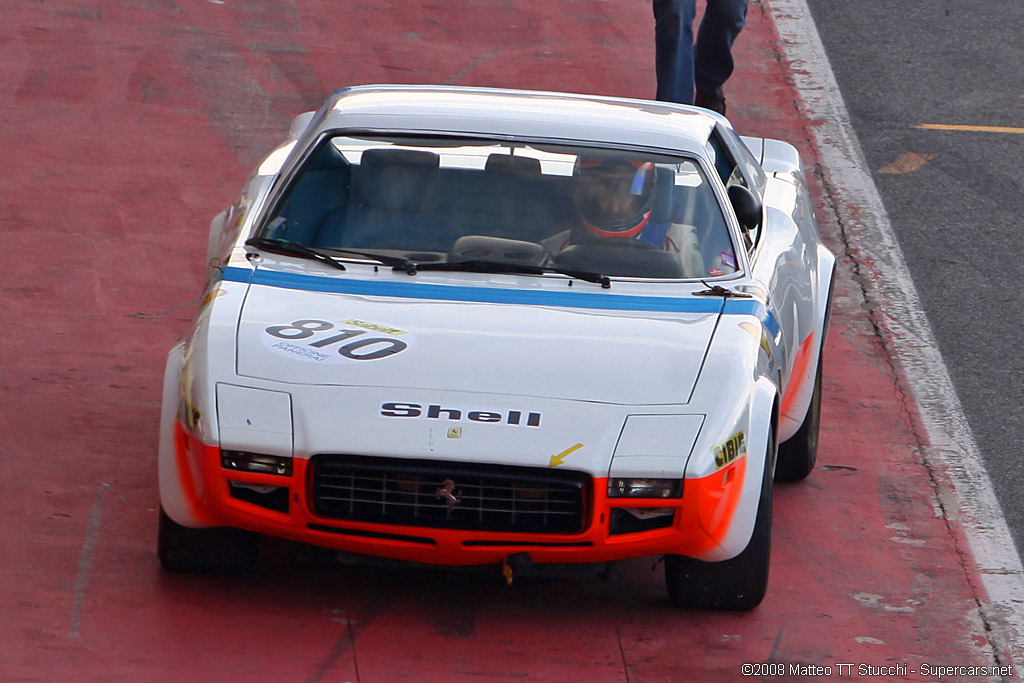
[[701, 518]]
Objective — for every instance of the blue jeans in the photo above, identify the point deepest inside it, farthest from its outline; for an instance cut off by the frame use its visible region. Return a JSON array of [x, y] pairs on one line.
[[679, 63]]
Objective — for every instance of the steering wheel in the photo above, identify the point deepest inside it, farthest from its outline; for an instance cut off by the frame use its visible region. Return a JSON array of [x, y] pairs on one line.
[[627, 242]]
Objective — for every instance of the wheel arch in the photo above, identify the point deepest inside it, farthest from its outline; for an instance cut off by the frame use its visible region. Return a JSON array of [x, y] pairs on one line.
[[172, 494], [762, 424]]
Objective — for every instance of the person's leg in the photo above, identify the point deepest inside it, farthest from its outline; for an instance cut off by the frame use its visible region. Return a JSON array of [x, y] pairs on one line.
[[713, 63], [673, 49]]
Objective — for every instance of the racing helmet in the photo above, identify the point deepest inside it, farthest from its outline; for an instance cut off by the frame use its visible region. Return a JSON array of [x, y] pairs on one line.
[[614, 196]]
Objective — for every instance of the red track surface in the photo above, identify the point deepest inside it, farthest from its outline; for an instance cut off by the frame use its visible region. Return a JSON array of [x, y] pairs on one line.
[[126, 125]]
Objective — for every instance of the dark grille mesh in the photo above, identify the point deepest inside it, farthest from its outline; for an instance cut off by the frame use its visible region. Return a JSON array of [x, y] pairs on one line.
[[413, 493]]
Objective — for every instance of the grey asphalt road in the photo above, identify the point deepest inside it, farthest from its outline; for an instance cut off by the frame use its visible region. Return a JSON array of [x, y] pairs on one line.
[[935, 91]]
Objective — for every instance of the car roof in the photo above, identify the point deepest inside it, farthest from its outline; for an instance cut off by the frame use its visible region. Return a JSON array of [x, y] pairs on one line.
[[518, 114]]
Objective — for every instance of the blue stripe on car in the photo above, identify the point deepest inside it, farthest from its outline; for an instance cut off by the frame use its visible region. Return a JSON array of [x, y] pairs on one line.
[[495, 295]]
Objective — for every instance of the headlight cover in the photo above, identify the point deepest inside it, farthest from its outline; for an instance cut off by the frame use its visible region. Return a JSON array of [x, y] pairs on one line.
[[254, 420]]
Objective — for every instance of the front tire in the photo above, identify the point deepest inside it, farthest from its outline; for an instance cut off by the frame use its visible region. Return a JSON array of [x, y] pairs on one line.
[[738, 584], [218, 550], [798, 454]]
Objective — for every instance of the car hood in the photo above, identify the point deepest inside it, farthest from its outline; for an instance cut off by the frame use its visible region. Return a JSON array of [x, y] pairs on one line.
[[549, 351]]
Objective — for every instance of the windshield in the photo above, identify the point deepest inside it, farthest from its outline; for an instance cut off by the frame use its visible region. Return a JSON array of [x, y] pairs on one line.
[[445, 200]]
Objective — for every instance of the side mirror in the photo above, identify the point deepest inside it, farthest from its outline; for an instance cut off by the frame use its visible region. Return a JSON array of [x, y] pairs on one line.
[[299, 124], [221, 234], [746, 206]]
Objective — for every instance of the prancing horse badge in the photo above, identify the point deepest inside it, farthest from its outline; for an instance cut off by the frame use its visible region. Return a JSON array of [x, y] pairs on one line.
[[446, 493]]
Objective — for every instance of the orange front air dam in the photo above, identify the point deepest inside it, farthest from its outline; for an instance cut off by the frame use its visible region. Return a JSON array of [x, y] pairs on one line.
[[703, 516]]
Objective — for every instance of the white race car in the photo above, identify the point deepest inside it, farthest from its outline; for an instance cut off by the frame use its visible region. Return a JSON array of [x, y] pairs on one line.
[[468, 326]]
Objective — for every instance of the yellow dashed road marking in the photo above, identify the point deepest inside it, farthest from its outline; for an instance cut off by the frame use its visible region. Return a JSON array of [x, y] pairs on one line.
[[970, 129]]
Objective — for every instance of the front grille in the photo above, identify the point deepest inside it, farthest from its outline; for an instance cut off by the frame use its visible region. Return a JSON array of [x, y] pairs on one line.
[[416, 493]]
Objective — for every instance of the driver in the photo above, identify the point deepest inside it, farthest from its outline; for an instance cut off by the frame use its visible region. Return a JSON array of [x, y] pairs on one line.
[[613, 197], [615, 201]]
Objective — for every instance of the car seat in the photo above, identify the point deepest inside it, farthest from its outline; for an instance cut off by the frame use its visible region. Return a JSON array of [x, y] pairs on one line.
[[394, 193]]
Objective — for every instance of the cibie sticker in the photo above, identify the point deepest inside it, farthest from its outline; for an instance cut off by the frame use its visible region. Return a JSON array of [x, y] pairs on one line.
[[349, 341], [730, 449]]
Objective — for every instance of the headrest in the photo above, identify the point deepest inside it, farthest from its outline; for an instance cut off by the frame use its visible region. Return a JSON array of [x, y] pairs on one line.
[[397, 179], [512, 165], [665, 179]]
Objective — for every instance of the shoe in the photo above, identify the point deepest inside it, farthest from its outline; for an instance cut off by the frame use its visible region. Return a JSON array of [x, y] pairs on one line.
[[713, 100]]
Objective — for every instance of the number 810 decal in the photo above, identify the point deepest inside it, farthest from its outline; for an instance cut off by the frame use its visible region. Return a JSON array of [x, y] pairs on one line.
[[320, 341]]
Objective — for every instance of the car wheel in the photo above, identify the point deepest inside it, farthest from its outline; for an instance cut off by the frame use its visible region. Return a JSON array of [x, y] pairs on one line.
[[798, 454], [218, 550], [736, 584]]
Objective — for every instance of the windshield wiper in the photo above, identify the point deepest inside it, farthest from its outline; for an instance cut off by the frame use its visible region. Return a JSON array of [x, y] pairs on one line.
[[585, 275], [485, 266], [719, 290], [287, 248], [412, 267], [396, 262]]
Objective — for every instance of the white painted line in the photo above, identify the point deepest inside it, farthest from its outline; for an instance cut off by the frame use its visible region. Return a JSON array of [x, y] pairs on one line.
[[952, 450]]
